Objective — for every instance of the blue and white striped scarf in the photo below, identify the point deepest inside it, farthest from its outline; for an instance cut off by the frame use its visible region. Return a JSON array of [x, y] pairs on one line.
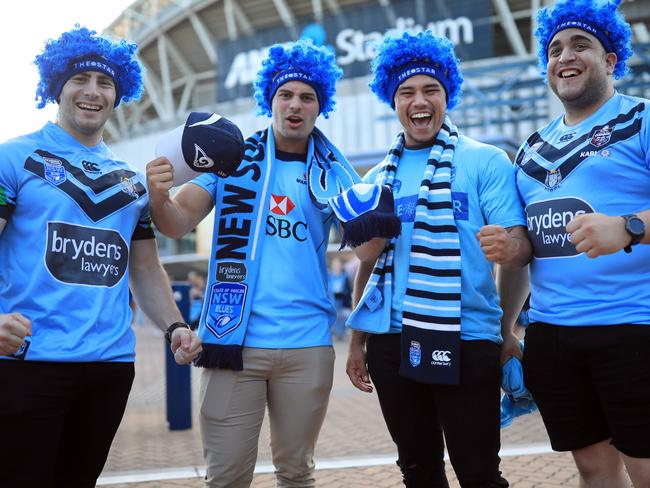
[[431, 313]]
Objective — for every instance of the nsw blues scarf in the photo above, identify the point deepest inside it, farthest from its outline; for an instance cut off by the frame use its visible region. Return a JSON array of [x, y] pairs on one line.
[[241, 208], [431, 315]]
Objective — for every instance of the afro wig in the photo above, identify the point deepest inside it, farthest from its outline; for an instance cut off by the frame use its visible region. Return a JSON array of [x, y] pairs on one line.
[[56, 64], [397, 53], [601, 15], [317, 63]]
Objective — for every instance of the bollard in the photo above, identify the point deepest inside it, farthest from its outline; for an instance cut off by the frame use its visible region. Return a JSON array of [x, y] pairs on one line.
[[179, 387]]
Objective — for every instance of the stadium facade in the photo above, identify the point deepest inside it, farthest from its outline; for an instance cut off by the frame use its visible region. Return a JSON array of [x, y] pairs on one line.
[[202, 55]]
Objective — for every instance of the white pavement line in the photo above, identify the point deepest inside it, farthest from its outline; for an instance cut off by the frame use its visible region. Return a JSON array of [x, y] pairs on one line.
[[321, 464]]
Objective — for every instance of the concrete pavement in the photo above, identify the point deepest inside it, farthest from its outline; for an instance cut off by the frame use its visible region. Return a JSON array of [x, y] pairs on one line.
[[354, 448]]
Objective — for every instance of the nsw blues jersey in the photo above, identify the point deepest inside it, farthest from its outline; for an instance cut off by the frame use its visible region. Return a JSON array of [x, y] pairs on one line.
[[599, 165], [290, 306], [71, 214], [483, 192]]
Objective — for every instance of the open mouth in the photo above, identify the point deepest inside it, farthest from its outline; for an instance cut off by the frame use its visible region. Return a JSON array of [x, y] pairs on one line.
[[294, 119], [569, 73], [90, 107], [421, 119]]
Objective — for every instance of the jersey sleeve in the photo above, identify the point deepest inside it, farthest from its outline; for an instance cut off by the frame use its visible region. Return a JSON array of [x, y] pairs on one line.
[[371, 175], [8, 183], [208, 182], [645, 135], [498, 194], [144, 228]]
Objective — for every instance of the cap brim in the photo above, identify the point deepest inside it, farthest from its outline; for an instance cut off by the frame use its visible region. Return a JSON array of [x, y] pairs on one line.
[[170, 147]]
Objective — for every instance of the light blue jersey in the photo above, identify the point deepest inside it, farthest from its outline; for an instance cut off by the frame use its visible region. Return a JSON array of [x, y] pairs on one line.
[[290, 305], [71, 214], [483, 192], [600, 165]]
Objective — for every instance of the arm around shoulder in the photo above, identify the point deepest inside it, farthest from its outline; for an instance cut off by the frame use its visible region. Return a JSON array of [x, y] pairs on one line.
[[368, 252]]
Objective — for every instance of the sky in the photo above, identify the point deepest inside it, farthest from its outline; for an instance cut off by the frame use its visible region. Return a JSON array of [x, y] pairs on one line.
[[24, 27]]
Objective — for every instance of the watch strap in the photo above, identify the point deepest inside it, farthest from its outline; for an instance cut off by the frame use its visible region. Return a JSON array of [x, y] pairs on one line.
[[172, 328], [636, 237]]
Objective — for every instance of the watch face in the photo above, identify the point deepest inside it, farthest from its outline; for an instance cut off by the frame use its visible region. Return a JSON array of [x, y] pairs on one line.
[[635, 226]]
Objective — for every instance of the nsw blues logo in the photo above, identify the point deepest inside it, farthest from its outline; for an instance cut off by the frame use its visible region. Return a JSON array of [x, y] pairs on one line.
[[54, 171], [226, 307], [415, 353]]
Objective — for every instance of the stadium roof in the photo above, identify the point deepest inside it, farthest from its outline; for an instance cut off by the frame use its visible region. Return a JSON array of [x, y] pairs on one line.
[[178, 42]]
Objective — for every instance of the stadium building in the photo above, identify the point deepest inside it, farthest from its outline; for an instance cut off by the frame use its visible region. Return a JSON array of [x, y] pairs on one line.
[[202, 55]]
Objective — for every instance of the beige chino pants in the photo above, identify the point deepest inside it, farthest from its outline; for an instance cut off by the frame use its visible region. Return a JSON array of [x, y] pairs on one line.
[[295, 385]]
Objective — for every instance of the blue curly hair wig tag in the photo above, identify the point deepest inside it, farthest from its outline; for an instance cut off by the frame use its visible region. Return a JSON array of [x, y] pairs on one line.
[[81, 49], [399, 58], [599, 18], [299, 61]]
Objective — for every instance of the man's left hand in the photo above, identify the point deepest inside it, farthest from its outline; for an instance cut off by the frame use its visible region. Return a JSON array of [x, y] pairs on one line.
[[510, 348], [597, 234], [186, 345]]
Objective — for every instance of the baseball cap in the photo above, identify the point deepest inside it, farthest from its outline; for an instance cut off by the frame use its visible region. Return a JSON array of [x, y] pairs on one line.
[[206, 143]]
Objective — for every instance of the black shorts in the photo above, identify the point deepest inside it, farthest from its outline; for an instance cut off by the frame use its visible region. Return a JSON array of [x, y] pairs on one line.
[[591, 383], [58, 421]]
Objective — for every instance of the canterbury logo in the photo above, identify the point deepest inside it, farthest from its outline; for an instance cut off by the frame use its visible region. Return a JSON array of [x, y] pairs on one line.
[[442, 356], [201, 160]]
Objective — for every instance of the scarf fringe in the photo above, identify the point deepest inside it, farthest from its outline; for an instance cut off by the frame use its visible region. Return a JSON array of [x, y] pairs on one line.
[[220, 356], [368, 226]]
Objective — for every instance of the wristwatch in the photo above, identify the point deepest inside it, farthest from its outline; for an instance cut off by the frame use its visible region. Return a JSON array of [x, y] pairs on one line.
[[636, 228], [172, 328]]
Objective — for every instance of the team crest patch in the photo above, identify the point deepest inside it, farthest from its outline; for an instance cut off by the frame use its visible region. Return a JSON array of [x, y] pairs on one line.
[[553, 179], [601, 136], [415, 353], [54, 171], [201, 159], [226, 307], [531, 150], [128, 187]]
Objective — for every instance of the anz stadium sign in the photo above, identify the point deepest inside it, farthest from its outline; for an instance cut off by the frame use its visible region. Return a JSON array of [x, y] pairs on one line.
[[353, 36]]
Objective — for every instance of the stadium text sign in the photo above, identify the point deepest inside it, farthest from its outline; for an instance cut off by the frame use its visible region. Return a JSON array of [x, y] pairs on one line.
[[355, 41]]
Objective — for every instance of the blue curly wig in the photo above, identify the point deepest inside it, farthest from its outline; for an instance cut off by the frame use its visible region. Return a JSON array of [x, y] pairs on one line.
[[317, 63], [77, 50], [397, 53], [601, 15]]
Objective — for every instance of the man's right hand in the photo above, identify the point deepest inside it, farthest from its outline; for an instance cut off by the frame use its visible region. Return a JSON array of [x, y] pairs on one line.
[[13, 329], [160, 178], [356, 366]]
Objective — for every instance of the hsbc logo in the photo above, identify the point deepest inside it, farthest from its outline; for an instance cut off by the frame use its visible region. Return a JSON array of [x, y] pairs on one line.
[[440, 357], [281, 205]]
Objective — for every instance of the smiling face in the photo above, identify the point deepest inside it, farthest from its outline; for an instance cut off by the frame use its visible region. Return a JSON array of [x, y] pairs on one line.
[[295, 109], [420, 104], [85, 103], [580, 71]]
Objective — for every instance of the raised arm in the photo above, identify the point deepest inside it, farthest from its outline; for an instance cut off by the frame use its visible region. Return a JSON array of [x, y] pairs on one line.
[[176, 216]]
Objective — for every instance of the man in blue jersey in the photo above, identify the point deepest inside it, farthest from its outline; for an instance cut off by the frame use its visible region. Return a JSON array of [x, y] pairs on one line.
[[266, 322], [584, 179], [427, 319], [74, 235]]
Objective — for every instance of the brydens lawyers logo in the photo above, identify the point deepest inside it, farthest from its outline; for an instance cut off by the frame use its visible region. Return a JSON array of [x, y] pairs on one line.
[[281, 205]]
